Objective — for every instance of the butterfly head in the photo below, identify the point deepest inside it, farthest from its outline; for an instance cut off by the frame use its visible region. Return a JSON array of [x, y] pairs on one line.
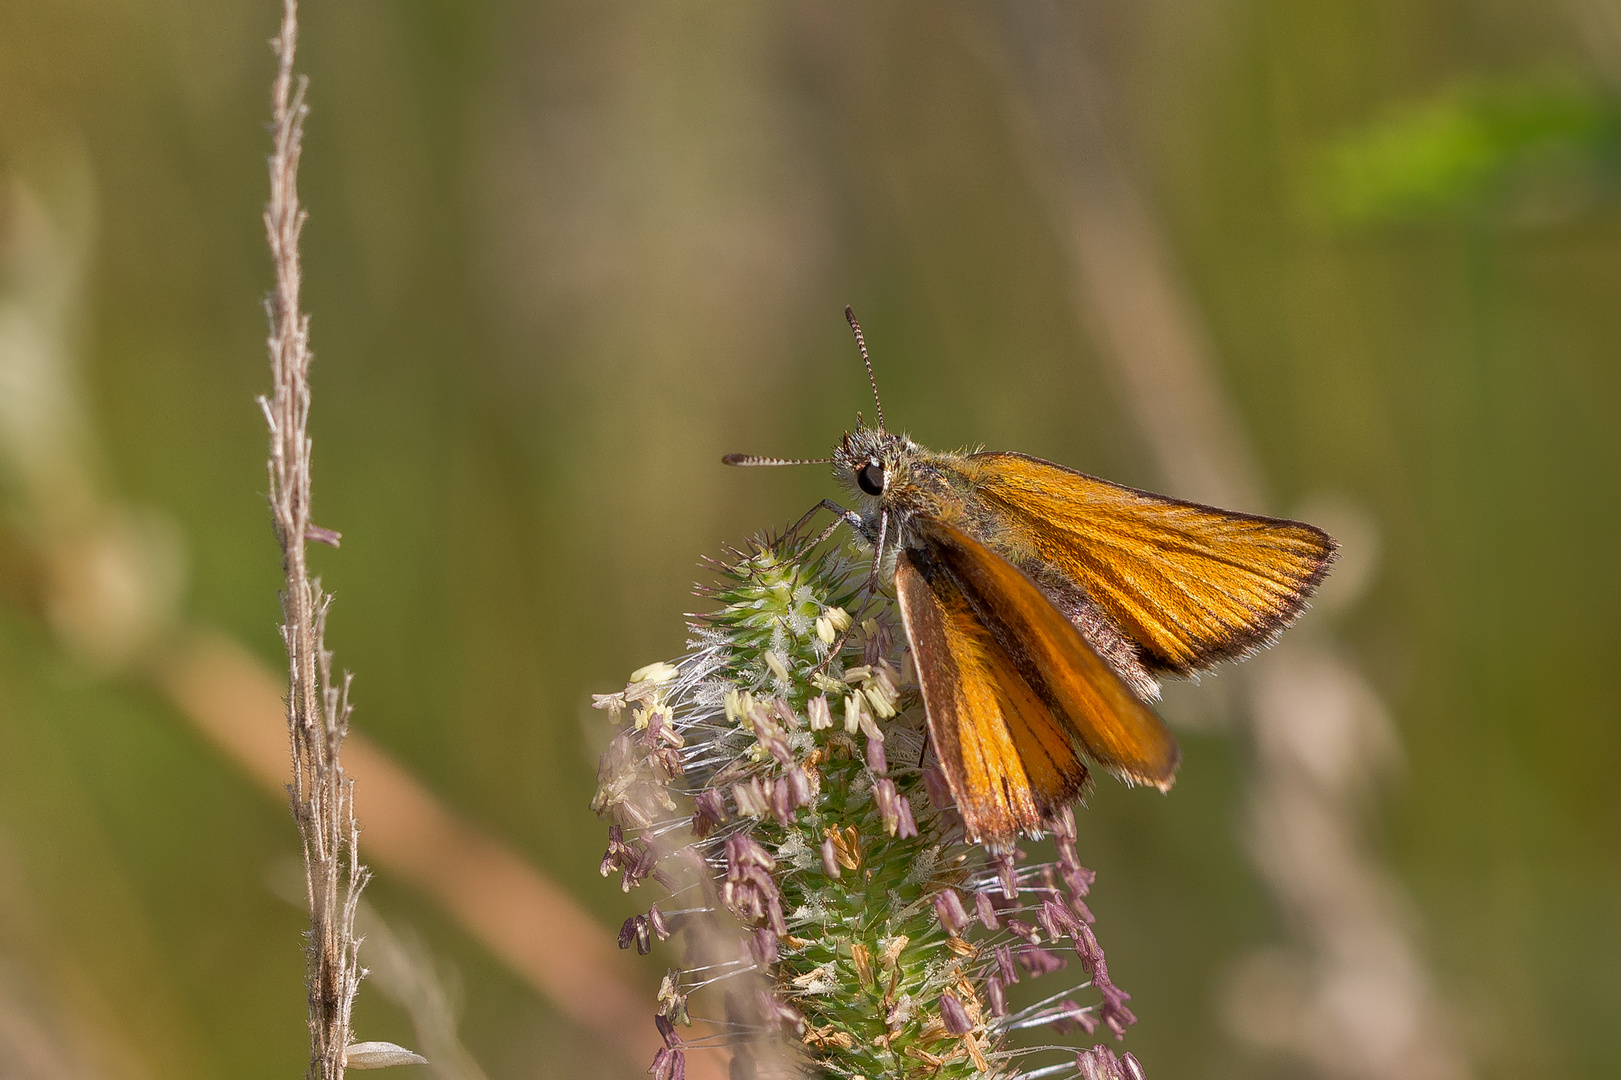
[[873, 463]]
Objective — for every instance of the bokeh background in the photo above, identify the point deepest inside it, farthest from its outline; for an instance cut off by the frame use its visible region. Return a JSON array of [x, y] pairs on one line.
[[1353, 259]]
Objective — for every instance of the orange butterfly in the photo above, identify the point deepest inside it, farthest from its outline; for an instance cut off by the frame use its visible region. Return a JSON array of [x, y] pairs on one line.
[[1040, 604]]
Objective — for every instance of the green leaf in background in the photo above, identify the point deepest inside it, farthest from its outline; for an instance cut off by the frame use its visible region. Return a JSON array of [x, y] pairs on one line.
[[1520, 151]]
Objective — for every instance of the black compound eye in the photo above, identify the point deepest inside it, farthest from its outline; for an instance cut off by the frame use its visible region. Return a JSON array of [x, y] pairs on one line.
[[871, 478]]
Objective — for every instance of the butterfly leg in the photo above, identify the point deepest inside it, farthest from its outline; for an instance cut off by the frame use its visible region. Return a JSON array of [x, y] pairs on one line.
[[878, 552], [844, 517]]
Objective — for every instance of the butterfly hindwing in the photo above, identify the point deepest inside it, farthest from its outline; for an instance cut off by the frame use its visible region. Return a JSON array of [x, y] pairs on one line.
[[1007, 762], [1085, 698], [1190, 584]]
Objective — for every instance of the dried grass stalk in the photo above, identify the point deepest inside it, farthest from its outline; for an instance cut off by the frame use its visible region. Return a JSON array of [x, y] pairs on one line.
[[318, 709]]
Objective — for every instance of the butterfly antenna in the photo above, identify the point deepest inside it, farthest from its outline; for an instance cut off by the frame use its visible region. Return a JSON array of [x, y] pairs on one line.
[[861, 343], [757, 459]]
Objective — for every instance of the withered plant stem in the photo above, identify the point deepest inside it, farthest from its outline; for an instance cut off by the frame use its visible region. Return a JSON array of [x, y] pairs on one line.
[[317, 709]]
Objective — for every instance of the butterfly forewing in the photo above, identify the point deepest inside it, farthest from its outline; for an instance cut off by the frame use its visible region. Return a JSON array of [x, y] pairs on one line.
[[1008, 763], [1189, 583], [1087, 701]]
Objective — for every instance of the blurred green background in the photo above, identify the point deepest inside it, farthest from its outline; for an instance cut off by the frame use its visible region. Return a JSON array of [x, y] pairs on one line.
[[562, 256]]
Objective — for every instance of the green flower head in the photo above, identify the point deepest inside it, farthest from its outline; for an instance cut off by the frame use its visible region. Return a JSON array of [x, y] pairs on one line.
[[777, 785]]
